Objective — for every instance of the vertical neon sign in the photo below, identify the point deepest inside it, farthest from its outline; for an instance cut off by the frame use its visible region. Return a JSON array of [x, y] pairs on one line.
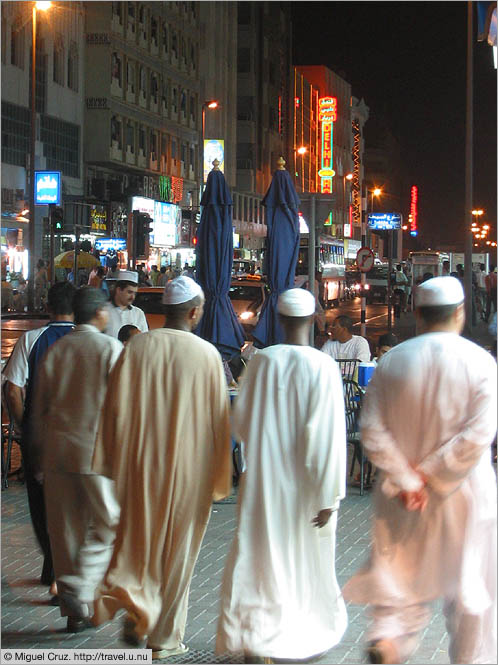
[[413, 210], [327, 115]]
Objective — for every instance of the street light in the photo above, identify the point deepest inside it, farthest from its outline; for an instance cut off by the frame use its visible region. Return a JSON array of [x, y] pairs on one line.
[[209, 104], [37, 6], [302, 150]]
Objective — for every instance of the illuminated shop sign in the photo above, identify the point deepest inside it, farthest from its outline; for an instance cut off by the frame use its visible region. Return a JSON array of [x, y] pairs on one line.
[[213, 149], [47, 187], [327, 115], [384, 221], [98, 218], [413, 210], [166, 220], [105, 244]]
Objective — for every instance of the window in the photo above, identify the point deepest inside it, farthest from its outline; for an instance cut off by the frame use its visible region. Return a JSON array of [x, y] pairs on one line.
[[116, 67], [192, 56], [184, 152], [16, 133], [173, 148], [130, 136], [154, 88], [17, 45], [183, 103], [131, 16], [244, 60], [73, 68], [153, 31], [61, 147], [243, 13], [130, 77], [165, 96], [41, 76], [143, 82], [174, 44], [116, 131], [153, 145], [184, 52], [192, 108], [245, 108], [165, 37], [164, 146], [58, 73], [116, 11], [142, 19], [141, 139], [174, 99], [192, 157]]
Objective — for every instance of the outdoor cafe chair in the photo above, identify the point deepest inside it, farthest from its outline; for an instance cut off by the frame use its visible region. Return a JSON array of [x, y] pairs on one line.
[[9, 437], [353, 395], [348, 367]]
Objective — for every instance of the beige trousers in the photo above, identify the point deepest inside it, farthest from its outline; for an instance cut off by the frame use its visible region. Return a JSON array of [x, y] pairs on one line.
[[82, 515]]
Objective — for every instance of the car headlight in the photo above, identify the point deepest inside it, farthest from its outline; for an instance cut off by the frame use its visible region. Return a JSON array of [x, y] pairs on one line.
[[246, 315]]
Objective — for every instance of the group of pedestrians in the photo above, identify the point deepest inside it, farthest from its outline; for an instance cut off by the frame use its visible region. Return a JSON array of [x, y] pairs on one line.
[[127, 449]]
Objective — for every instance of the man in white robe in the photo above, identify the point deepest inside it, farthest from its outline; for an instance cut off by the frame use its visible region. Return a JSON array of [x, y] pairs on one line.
[[81, 507], [427, 424], [280, 597], [121, 309], [165, 440]]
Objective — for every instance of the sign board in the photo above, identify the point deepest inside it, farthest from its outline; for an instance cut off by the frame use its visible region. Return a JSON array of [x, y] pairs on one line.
[[365, 259], [166, 218], [384, 221], [327, 115], [213, 149], [47, 188], [105, 244]]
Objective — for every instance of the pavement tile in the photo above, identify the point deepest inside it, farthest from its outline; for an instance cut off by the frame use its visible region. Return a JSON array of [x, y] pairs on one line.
[[28, 622]]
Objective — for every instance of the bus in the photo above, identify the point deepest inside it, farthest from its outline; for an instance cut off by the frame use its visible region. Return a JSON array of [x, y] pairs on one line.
[[330, 268]]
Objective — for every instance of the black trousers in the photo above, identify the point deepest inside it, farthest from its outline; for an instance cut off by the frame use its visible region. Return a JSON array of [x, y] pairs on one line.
[[36, 502], [490, 300]]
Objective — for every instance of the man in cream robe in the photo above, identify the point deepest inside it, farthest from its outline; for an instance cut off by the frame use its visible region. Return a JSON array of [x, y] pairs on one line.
[[165, 440], [280, 596], [427, 424]]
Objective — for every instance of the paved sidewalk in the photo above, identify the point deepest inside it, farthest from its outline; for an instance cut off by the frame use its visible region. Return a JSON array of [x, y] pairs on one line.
[[28, 621]]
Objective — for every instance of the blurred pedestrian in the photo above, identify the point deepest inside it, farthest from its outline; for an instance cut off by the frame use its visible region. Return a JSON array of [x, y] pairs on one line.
[[127, 332], [81, 507], [20, 374], [163, 277], [41, 285], [490, 281], [345, 345], [121, 309], [434, 530], [385, 343], [143, 278], [280, 597], [170, 456], [96, 277], [153, 276]]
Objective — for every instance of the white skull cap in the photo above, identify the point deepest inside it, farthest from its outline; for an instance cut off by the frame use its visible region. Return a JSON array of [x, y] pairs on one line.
[[439, 291], [296, 302], [181, 289], [123, 276]]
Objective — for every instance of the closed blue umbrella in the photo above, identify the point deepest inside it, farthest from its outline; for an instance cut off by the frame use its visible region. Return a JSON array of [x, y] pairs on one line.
[[219, 324], [282, 249]]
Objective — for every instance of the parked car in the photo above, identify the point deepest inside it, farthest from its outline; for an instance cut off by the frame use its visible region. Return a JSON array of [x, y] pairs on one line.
[[248, 295], [149, 299]]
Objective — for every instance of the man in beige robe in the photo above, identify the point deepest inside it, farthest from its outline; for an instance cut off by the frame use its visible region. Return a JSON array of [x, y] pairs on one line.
[[165, 439]]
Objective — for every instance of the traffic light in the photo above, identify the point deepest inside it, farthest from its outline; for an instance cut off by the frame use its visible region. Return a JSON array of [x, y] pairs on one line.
[[142, 226], [57, 217]]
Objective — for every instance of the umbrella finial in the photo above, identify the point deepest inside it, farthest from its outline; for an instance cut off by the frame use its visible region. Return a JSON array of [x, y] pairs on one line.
[[281, 163], [216, 165]]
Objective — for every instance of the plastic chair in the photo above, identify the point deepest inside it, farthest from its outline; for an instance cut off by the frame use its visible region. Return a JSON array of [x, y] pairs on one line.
[[353, 395]]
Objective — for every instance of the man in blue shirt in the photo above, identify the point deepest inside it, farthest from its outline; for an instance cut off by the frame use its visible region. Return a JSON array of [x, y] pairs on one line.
[[20, 374]]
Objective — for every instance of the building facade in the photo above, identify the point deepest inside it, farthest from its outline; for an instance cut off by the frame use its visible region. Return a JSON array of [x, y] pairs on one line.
[[60, 81]]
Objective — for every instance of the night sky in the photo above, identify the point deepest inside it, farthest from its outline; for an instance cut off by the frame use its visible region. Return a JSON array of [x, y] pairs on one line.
[[408, 61]]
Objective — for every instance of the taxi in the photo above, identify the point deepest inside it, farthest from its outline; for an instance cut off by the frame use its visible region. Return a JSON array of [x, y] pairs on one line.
[[149, 300], [248, 293]]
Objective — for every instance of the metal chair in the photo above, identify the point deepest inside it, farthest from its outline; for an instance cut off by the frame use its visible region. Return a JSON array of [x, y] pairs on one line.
[[348, 367], [353, 394], [9, 436]]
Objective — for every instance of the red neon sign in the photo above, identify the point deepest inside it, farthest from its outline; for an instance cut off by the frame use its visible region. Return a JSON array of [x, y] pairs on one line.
[[327, 115], [414, 207]]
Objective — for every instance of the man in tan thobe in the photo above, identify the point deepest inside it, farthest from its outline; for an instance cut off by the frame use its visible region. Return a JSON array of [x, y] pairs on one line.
[[165, 440]]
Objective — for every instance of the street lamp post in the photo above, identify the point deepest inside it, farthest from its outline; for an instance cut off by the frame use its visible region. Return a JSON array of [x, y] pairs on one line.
[[210, 104], [41, 6]]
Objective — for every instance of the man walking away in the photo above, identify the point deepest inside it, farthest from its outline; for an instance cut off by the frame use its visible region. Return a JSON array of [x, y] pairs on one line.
[[280, 598], [81, 508], [434, 530], [20, 374], [490, 281], [170, 456]]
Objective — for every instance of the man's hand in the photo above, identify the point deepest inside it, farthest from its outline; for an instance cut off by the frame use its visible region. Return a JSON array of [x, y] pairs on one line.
[[322, 518], [414, 500]]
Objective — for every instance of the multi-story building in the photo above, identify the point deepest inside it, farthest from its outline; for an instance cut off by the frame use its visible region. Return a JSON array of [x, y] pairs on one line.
[[59, 114], [306, 147], [263, 108]]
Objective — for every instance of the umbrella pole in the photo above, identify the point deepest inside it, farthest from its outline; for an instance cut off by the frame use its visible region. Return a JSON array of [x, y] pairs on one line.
[[76, 253]]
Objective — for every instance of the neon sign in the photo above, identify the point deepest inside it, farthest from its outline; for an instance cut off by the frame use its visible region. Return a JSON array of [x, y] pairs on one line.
[[327, 115], [356, 173], [413, 210]]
